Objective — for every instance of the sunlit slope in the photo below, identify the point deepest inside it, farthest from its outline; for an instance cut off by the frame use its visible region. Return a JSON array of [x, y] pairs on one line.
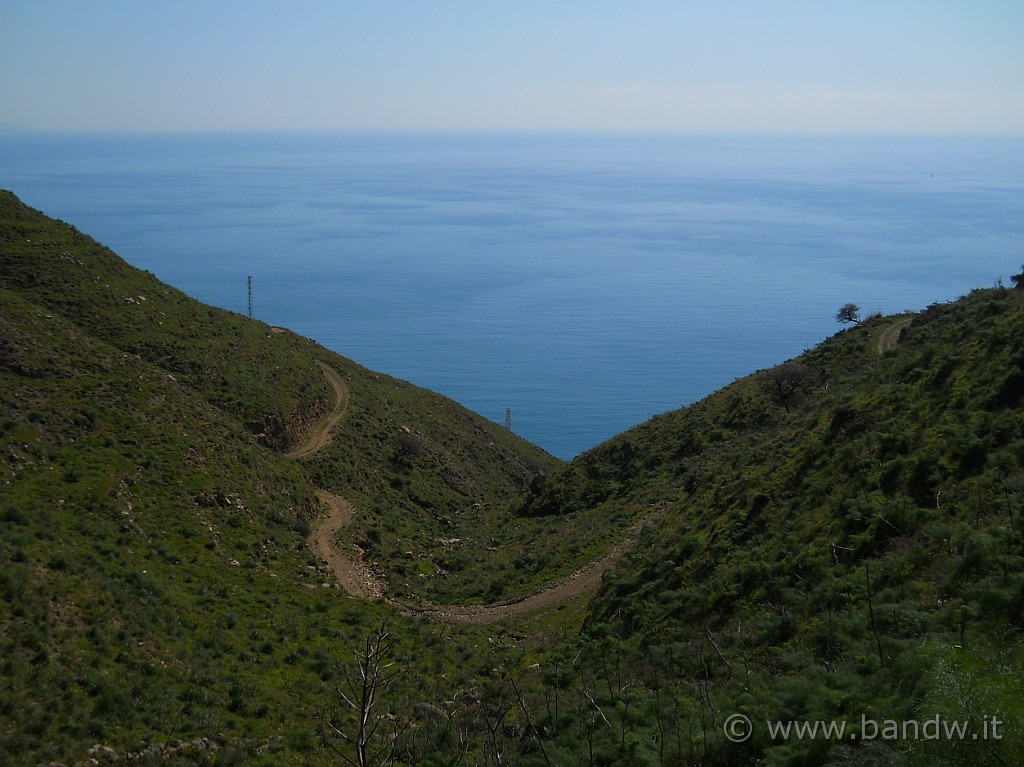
[[154, 574], [850, 542]]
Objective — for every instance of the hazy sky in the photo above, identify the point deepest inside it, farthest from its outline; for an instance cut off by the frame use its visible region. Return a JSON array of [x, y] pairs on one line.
[[821, 65]]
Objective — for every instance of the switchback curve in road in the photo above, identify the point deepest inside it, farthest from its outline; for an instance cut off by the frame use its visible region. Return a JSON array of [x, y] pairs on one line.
[[348, 569], [357, 579]]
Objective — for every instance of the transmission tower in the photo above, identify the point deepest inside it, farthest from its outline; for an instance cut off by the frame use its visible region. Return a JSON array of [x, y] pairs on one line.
[[250, 296]]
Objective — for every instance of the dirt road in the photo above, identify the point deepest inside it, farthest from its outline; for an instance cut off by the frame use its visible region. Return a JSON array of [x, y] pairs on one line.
[[356, 578], [320, 434], [891, 336], [348, 568], [585, 580]]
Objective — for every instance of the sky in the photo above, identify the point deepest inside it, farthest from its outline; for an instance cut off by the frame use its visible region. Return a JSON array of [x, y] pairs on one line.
[[645, 65]]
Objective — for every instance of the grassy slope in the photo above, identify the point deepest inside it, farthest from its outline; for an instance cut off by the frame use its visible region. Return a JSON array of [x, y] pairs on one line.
[[154, 580], [142, 530], [897, 475], [266, 381], [269, 382]]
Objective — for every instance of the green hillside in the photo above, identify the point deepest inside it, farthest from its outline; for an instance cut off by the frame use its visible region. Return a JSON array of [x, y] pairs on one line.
[[851, 546], [155, 578], [835, 540]]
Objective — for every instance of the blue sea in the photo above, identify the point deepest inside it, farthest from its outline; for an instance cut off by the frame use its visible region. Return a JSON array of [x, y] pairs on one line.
[[584, 281]]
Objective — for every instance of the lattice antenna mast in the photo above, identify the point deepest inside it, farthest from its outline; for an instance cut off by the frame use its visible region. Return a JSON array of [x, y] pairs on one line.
[[250, 296], [508, 418]]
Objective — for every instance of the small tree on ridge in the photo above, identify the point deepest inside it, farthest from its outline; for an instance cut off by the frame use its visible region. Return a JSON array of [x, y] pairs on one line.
[[848, 313]]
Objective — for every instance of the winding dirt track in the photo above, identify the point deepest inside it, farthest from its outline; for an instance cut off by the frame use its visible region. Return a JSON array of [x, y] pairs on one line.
[[584, 581], [349, 571], [353, 575], [320, 433]]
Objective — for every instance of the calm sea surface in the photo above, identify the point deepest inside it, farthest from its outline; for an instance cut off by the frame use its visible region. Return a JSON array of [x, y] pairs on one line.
[[585, 281]]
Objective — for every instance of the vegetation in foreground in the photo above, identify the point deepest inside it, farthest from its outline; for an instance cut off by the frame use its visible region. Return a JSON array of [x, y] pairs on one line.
[[837, 540]]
